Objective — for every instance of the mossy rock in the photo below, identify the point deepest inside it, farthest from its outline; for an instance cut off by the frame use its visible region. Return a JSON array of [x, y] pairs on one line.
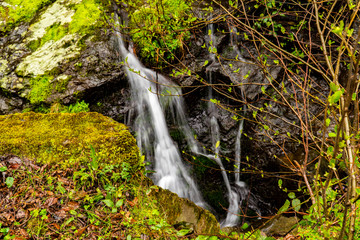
[[179, 210], [66, 138]]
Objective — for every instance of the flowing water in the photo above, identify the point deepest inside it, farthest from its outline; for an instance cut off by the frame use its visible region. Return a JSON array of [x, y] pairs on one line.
[[152, 95], [149, 92]]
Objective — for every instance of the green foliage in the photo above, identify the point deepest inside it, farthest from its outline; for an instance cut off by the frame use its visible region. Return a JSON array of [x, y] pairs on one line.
[[77, 107], [159, 27], [326, 224]]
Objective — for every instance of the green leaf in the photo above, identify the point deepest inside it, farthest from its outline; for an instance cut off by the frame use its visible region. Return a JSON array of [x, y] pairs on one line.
[[284, 207], [335, 97], [280, 183], [217, 144], [108, 203], [3, 169], [119, 203], [334, 87], [205, 63], [330, 150], [9, 182], [4, 230], [296, 204], [244, 226], [263, 89], [338, 29], [350, 32], [353, 97], [332, 134], [246, 36], [213, 238], [183, 232], [291, 195], [327, 122]]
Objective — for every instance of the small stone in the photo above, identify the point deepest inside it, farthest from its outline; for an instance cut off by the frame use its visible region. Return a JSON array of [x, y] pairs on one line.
[[20, 214]]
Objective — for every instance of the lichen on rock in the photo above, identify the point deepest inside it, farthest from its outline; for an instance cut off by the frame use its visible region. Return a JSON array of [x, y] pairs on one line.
[[49, 56], [58, 38]]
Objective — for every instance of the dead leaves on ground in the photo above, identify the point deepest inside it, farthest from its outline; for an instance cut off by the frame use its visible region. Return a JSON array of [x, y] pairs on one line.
[[44, 203]]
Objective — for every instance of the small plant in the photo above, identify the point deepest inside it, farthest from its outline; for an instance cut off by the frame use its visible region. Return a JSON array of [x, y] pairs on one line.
[[78, 107], [9, 180], [160, 27]]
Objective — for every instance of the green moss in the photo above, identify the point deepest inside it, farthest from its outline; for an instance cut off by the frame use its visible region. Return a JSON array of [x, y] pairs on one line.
[[20, 11], [87, 18], [54, 32], [62, 82], [66, 138], [41, 88]]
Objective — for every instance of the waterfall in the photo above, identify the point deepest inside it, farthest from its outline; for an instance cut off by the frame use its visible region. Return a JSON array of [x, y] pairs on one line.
[[153, 138], [233, 198]]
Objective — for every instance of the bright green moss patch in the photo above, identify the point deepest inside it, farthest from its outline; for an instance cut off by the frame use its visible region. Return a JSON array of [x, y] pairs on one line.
[[87, 16], [66, 138], [40, 89], [20, 11]]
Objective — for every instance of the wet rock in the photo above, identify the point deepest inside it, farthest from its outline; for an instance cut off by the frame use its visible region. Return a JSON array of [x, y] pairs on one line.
[[280, 226], [180, 210]]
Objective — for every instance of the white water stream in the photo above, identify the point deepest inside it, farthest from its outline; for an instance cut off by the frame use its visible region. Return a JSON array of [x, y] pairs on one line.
[[151, 95], [147, 88]]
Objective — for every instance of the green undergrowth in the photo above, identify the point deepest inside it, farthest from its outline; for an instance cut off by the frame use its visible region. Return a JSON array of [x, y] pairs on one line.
[[88, 200], [159, 28], [80, 176], [65, 138]]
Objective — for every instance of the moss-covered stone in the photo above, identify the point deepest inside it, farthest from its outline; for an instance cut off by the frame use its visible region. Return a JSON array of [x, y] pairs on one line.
[[66, 138], [178, 210]]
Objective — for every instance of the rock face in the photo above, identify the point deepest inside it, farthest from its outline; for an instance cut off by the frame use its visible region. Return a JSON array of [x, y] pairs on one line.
[[57, 53], [65, 139]]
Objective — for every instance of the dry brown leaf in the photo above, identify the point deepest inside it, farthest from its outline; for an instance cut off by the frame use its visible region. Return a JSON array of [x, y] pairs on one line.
[[71, 206], [80, 231], [133, 202], [50, 201]]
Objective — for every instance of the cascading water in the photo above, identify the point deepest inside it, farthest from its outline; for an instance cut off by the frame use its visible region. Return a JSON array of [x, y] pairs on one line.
[[150, 125], [151, 96], [234, 199]]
